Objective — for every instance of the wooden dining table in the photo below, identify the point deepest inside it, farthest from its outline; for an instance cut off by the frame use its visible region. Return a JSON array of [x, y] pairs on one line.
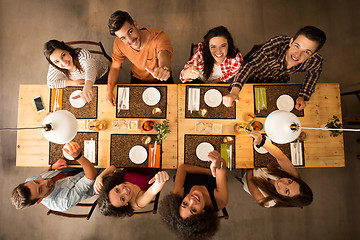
[[320, 150]]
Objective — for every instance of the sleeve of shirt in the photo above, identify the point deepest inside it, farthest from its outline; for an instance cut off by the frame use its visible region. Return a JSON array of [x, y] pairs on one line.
[[83, 188], [311, 79], [55, 78], [198, 58], [48, 174], [88, 64], [232, 68], [163, 43], [117, 54]]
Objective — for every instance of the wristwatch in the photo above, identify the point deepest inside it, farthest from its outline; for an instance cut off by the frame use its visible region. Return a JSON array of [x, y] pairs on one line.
[[78, 156], [263, 140]]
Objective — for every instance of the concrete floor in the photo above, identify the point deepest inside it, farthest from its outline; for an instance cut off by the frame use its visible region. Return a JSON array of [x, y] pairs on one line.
[[27, 25]]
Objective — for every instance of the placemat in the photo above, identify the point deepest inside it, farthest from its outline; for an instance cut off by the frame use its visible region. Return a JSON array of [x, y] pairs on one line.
[[120, 147], [219, 112], [192, 141], [262, 160], [89, 111], [137, 106], [56, 152], [273, 92]]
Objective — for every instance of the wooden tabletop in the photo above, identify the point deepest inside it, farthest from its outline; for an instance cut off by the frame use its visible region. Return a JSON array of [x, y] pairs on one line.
[[321, 150]]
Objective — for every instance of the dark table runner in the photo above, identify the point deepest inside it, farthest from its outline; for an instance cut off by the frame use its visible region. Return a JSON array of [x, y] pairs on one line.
[[120, 147], [89, 111], [273, 92], [56, 152], [192, 141], [262, 160], [219, 112], [137, 106]]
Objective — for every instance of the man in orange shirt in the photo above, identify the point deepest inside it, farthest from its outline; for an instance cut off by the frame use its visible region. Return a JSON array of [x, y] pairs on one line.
[[149, 51]]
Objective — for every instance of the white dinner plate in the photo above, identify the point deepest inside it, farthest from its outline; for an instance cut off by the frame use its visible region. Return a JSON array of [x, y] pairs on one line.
[[213, 98], [66, 155], [203, 149], [151, 96], [285, 103], [262, 150], [138, 154], [78, 102]]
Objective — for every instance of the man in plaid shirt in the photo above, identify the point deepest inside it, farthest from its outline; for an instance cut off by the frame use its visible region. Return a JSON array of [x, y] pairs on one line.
[[280, 57]]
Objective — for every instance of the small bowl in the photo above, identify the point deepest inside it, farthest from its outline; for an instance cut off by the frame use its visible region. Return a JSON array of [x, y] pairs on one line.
[[257, 126], [147, 125]]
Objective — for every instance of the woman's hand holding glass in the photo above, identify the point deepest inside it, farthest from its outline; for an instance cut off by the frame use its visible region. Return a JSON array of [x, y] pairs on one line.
[[256, 135], [160, 178], [216, 160]]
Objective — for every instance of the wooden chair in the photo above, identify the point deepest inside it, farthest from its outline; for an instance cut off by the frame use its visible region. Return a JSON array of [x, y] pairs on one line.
[[351, 120], [155, 203], [99, 44], [192, 49], [251, 52], [76, 215]]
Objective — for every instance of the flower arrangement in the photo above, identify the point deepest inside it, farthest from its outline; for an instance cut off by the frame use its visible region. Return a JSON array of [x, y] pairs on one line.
[[162, 129], [334, 122]]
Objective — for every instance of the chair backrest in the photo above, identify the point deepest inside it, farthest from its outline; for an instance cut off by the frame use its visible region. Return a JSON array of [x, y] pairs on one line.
[[225, 214], [252, 51], [155, 203], [192, 49], [76, 215], [99, 44]]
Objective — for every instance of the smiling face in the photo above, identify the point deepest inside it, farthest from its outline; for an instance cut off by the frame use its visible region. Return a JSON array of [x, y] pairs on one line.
[[40, 188], [218, 48], [121, 194], [287, 187], [130, 35], [300, 50], [62, 59], [192, 204]]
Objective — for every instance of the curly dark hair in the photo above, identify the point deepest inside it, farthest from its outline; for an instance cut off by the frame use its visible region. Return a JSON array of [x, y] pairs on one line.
[[20, 197], [52, 45], [209, 61], [105, 206], [117, 21], [303, 199], [200, 226]]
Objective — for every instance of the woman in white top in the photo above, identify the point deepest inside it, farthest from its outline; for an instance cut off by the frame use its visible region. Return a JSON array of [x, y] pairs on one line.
[[274, 187], [69, 66]]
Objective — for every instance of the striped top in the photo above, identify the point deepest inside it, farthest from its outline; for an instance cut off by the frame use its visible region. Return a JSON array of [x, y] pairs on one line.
[[93, 70]]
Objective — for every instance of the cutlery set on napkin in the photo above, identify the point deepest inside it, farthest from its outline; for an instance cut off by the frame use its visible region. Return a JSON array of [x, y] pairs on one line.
[[194, 99], [260, 99], [123, 99], [89, 150], [154, 158], [296, 153], [226, 153]]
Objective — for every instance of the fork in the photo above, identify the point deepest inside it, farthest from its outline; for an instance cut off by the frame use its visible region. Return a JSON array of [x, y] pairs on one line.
[[262, 98], [123, 100], [228, 156]]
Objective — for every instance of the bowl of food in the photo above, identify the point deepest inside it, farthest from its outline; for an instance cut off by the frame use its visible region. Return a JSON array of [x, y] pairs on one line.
[[147, 125], [257, 126]]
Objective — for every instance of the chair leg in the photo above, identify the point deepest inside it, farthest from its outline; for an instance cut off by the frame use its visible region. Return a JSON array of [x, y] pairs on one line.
[[239, 179]]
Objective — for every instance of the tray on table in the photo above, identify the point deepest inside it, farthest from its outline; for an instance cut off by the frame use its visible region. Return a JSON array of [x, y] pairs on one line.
[[273, 92], [120, 146], [192, 141], [219, 112], [56, 152], [137, 106]]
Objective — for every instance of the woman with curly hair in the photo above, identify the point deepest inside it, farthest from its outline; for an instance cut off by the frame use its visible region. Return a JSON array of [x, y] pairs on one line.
[[274, 187], [199, 193], [216, 59], [121, 193], [69, 66]]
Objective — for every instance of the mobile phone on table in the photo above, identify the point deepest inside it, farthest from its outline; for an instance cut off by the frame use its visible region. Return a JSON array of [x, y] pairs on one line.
[[39, 104]]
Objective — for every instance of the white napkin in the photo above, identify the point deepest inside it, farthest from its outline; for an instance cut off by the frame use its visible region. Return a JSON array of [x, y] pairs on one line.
[[89, 150], [296, 153], [194, 99], [123, 98]]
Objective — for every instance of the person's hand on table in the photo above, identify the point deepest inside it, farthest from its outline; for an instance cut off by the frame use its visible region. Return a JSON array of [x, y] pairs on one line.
[[73, 149], [98, 184], [215, 158], [59, 164], [229, 99], [160, 178], [110, 98], [192, 72], [159, 73], [300, 103], [256, 135]]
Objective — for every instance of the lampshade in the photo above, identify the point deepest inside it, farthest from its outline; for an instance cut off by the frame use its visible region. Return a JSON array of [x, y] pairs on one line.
[[279, 124], [60, 127]]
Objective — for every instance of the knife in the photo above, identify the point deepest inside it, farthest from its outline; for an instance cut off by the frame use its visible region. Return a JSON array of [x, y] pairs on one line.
[[121, 99], [258, 99], [155, 145], [190, 99], [230, 157]]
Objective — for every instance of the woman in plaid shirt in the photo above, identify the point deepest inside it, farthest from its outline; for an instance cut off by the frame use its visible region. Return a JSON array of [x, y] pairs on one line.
[[215, 60]]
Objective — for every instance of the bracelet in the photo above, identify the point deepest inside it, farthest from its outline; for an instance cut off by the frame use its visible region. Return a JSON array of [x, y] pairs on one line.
[[78, 156], [166, 68], [262, 142]]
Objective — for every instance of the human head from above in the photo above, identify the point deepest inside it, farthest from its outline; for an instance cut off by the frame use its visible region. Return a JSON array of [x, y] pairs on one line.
[[286, 191], [201, 225], [124, 27], [218, 44], [114, 196], [61, 56], [306, 42], [27, 194]]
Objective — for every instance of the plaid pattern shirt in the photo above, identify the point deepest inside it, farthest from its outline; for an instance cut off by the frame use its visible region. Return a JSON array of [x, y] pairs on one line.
[[229, 66], [268, 65]]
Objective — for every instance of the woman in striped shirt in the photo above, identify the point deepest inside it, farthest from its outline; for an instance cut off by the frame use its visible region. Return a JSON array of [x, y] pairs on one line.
[[69, 66], [215, 60]]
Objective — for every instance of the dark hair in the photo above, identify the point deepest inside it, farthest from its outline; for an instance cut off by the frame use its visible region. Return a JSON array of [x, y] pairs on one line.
[[52, 45], [199, 226], [314, 34], [117, 20], [208, 58], [105, 206], [303, 199], [20, 197]]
